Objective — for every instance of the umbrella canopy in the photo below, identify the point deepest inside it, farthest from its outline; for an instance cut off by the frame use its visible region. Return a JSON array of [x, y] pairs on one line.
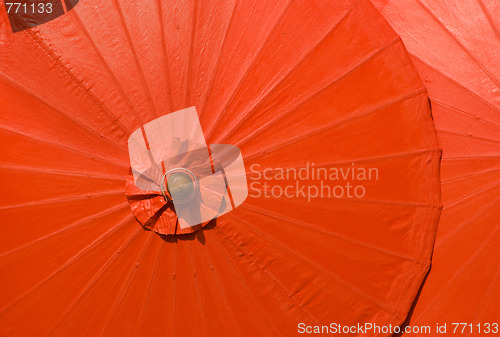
[[455, 46], [335, 133]]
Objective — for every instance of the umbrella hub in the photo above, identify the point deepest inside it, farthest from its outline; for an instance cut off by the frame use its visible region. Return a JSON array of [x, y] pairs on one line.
[[178, 184]]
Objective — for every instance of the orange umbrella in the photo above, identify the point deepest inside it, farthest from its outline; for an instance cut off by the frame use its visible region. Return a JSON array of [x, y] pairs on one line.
[[455, 46], [335, 133]]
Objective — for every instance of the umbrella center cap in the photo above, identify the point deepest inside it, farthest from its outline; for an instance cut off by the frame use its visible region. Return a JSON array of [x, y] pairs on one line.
[[180, 185]]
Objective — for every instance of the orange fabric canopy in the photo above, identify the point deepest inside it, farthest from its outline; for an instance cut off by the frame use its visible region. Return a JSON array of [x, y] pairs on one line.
[[455, 46], [314, 95]]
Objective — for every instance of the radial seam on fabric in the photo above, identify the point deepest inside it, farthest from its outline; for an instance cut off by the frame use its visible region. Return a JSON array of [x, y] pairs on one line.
[[464, 113], [467, 221], [174, 287], [69, 198], [218, 284], [468, 176], [274, 280], [283, 290], [217, 62], [203, 326], [445, 287], [271, 90], [359, 115], [469, 54], [126, 284], [136, 59], [265, 314], [486, 297], [191, 51], [142, 315], [95, 99], [489, 18], [357, 160], [165, 55], [64, 147], [458, 85], [279, 170], [86, 249], [471, 157], [245, 74], [338, 236], [472, 194], [319, 92], [92, 281], [320, 269], [297, 65], [75, 224], [64, 173], [426, 247], [84, 126], [468, 136], [138, 118]]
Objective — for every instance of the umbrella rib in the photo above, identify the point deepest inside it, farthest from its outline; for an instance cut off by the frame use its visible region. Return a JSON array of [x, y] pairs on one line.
[[489, 18], [442, 239], [218, 283], [247, 71], [61, 113], [73, 225], [468, 176], [454, 38], [128, 219], [468, 136], [165, 54], [92, 281], [203, 319], [359, 160], [265, 314], [392, 202], [139, 119], [296, 66], [174, 287], [312, 95], [290, 295], [470, 260], [136, 59], [191, 50], [68, 198], [346, 162], [486, 297], [61, 146], [386, 202], [334, 276], [64, 173], [358, 115], [461, 112], [333, 234], [126, 284], [57, 60], [470, 195], [472, 157], [217, 63], [166, 253], [275, 281], [343, 162], [142, 315], [458, 85]]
